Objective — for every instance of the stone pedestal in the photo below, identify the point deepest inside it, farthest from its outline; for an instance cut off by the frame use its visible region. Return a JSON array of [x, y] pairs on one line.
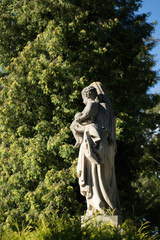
[[115, 220]]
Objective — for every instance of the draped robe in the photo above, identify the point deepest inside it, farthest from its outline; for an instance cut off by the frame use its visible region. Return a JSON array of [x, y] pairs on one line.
[[95, 167]]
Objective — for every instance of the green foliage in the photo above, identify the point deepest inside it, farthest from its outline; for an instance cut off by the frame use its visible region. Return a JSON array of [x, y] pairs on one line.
[[69, 228], [50, 50], [148, 181]]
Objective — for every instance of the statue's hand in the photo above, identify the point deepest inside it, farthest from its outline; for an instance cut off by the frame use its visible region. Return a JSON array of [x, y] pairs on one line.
[[77, 117]]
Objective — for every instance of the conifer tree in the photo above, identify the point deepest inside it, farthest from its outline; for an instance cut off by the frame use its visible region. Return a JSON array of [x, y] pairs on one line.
[[49, 51]]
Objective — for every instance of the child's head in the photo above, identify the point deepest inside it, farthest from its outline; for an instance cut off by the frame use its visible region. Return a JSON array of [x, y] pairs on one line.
[[89, 92]]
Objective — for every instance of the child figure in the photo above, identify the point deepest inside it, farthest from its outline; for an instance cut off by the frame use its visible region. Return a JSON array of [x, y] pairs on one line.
[[87, 116], [77, 130]]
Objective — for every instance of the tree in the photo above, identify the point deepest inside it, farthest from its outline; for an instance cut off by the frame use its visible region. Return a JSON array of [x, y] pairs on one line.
[[50, 50], [148, 181]]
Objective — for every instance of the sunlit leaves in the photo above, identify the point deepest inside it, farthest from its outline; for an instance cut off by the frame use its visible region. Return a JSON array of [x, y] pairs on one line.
[[51, 50]]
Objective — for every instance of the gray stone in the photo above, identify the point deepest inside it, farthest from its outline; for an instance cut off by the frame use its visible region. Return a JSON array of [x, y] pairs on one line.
[[95, 133], [115, 220]]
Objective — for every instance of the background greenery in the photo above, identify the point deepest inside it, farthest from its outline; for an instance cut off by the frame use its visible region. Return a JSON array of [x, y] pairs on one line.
[[49, 51]]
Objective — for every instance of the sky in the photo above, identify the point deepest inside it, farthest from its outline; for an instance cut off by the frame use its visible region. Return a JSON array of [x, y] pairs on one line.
[[153, 6]]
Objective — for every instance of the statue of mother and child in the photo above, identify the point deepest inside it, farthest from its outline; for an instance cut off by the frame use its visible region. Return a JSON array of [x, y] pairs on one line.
[[95, 133]]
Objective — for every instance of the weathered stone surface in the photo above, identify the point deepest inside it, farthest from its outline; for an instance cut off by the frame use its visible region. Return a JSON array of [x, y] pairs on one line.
[[95, 133], [115, 220]]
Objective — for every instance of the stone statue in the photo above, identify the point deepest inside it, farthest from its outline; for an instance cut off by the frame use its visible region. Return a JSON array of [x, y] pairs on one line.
[[94, 131]]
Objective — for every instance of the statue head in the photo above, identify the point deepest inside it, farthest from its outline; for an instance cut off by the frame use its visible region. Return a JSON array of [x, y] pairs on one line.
[[89, 92]]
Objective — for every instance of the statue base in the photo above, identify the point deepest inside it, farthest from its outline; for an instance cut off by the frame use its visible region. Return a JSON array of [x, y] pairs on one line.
[[115, 220]]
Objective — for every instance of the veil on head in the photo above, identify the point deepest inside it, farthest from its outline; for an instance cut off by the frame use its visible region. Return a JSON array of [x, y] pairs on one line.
[[109, 116]]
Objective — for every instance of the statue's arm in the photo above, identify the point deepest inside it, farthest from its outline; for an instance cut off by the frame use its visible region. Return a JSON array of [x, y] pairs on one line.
[[86, 113]]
